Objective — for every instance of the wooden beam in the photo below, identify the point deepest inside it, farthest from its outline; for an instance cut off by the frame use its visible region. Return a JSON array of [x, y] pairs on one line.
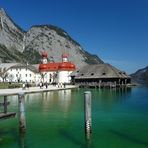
[[7, 116]]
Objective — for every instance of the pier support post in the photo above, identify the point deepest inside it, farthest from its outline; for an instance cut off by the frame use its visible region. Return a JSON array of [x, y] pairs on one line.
[[5, 104], [125, 82], [22, 119], [87, 114]]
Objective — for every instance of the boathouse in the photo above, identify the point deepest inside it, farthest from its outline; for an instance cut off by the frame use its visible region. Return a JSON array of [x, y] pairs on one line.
[[100, 75]]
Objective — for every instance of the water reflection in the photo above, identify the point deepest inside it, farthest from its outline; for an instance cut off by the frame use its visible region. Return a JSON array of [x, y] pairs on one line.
[[109, 97], [53, 99], [64, 97], [21, 140]]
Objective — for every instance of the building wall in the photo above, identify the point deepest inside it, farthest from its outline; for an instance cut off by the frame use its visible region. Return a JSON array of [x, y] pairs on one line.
[[64, 76], [21, 75], [49, 77]]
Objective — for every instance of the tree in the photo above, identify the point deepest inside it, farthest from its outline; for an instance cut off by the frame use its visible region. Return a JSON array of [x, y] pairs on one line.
[[4, 76], [10, 77]]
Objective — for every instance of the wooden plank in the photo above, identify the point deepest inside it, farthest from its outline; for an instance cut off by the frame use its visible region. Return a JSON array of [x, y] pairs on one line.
[[8, 115]]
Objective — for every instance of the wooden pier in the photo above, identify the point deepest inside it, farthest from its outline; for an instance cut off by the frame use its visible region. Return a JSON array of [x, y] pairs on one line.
[[7, 115]]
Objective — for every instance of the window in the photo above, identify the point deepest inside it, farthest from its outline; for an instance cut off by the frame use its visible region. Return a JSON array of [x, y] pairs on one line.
[[82, 74], [92, 74], [26, 75], [16, 75], [103, 73], [30, 75]]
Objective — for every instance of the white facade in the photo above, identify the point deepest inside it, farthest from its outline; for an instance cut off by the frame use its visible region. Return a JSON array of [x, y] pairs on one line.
[[64, 76], [21, 75], [49, 76], [45, 72]]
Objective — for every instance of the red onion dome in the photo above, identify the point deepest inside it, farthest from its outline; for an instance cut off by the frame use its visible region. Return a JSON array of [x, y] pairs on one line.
[[44, 54], [67, 66], [43, 67], [48, 67], [65, 55]]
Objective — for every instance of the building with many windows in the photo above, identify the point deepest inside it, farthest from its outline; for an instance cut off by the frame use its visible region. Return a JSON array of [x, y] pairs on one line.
[[49, 72]]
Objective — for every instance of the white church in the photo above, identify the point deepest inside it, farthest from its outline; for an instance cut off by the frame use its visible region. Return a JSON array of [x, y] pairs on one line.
[[49, 72]]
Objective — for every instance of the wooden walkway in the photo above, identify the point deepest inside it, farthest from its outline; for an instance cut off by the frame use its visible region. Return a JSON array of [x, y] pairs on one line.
[[7, 115]]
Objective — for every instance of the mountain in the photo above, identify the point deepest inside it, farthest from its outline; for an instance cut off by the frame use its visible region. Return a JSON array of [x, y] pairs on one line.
[[17, 45], [141, 76]]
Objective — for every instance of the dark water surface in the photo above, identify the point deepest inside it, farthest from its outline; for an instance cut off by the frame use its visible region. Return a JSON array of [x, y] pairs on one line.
[[55, 120]]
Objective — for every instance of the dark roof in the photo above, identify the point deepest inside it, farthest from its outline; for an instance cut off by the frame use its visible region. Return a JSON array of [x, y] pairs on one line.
[[99, 71], [21, 66]]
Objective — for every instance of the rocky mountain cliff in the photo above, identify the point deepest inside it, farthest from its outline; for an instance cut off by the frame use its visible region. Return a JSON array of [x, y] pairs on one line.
[[141, 76], [17, 45]]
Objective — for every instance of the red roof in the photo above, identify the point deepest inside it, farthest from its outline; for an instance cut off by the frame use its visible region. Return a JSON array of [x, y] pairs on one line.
[[68, 66], [48, 67], [64, 66]]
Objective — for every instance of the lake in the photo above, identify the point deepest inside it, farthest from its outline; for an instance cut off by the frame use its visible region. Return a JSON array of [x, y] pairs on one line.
[[56, 119]]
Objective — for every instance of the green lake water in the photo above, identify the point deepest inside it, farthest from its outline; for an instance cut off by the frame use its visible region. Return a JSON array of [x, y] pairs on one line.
[[56, 120]]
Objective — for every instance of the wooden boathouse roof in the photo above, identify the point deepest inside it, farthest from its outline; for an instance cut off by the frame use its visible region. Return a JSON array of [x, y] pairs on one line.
[[99, 71]]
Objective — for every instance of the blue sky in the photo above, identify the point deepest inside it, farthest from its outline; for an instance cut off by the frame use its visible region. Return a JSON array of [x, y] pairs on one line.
[[115, 30]]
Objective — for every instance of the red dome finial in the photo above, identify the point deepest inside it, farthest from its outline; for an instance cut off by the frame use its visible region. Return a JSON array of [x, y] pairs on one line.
[[65, 55], [44, 54]]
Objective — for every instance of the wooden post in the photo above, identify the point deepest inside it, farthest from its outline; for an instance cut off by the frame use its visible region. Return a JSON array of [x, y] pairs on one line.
[[5, 104], [87, 114], [115, 83], [125, 82], [22, 119]]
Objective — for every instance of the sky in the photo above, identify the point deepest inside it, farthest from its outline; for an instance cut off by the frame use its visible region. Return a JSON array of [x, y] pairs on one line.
[[115, 30]]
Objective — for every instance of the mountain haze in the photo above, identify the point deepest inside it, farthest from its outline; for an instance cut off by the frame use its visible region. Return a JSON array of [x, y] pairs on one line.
[[141, 76], [17, 45]]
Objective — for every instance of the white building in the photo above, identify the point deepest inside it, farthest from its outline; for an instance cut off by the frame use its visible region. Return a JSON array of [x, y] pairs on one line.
[[65, 69], [56, 72], [23, 73], [49, 72]]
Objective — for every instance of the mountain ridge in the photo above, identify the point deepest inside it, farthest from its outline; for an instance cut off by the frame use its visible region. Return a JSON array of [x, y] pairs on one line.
[[25, 46], [141, 76]]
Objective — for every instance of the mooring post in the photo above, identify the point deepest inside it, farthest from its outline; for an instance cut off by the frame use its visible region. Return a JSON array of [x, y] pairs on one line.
[[5, 104], [22, 119], [87, 114]]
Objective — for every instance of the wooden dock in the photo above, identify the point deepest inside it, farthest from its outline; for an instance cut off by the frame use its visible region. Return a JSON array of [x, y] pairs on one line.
[[7, 115]]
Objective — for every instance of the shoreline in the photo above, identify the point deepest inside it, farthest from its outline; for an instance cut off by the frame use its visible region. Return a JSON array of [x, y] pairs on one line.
[[16, 91]]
